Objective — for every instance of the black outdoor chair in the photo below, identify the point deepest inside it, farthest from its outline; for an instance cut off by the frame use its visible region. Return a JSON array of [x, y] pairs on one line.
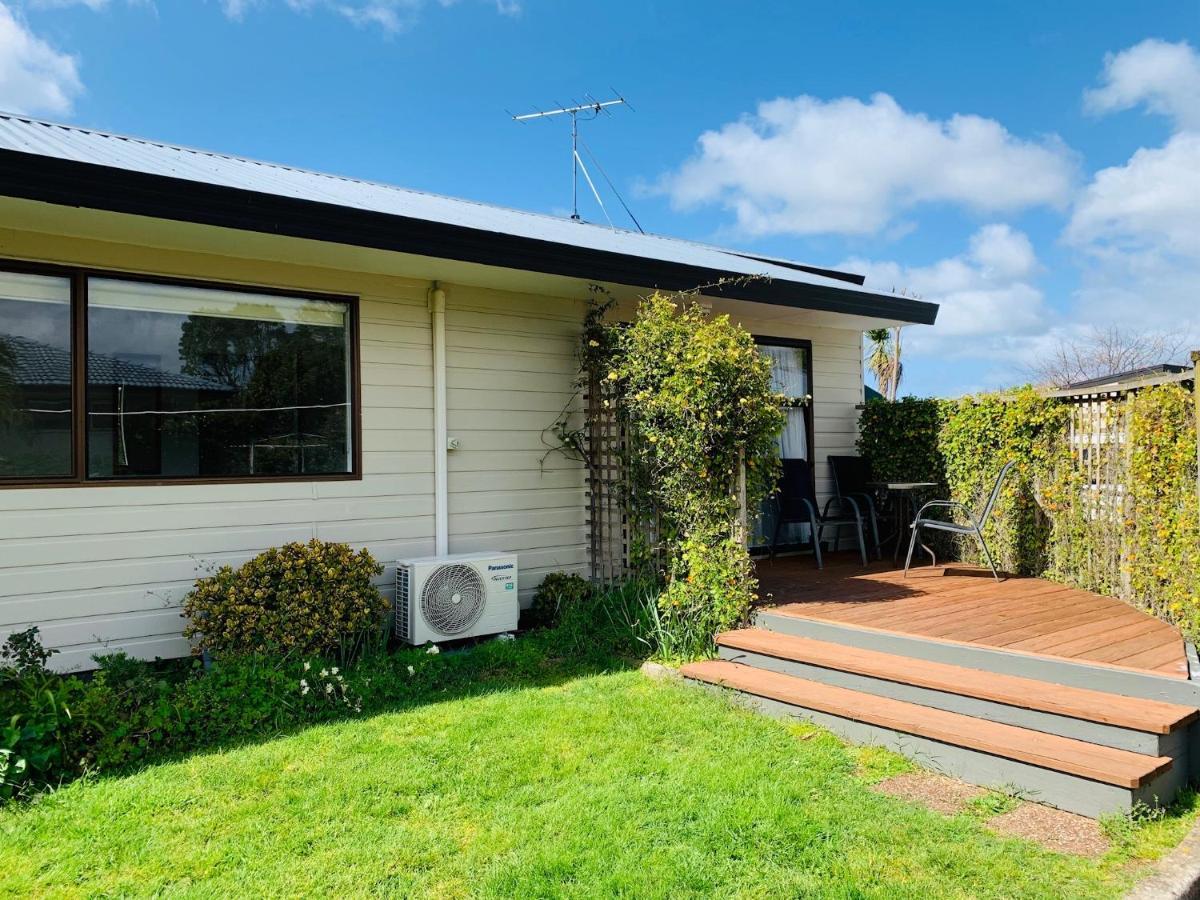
[[852, 479], [974, 526], [797, 504]]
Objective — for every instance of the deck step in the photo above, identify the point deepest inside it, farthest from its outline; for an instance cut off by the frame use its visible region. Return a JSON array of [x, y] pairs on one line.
[[1086, 674], [1071, 774], [1137, 714]]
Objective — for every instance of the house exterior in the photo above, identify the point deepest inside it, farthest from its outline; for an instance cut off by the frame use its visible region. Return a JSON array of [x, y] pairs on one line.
[[203, 356]]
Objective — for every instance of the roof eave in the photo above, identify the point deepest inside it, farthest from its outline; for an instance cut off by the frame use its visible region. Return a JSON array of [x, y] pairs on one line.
[[79, 184]]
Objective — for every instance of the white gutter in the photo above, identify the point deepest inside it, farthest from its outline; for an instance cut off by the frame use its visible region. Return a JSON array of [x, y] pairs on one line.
[[441, 436]]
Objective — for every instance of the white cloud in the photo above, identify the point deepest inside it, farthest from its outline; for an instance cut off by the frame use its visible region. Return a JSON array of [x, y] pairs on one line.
[[1137, 227], [34, 77], [989, 303], [390, 16], [807, 166], [1150, 203], [1163, 76]]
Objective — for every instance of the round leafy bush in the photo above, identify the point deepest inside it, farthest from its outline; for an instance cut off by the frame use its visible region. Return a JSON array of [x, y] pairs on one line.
[[557, 593], [315, 598]]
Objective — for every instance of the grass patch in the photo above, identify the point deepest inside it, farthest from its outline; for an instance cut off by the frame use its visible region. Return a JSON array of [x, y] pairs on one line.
[[995, 802], [603, 785], [1148, 833]]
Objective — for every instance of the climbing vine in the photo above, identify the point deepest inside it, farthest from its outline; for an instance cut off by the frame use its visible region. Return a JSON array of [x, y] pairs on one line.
[[696, 395], [1162, 527], [978, 436]]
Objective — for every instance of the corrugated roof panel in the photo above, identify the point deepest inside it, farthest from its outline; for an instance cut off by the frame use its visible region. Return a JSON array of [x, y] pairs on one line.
[[97, 170], [29, 135]]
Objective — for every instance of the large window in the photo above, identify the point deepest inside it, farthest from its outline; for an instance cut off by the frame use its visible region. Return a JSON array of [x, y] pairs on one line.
[[35, 376], [182, 382]]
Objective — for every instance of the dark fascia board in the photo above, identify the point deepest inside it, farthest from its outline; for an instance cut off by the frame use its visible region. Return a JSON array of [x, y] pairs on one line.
[[32, 176], [849, 277]]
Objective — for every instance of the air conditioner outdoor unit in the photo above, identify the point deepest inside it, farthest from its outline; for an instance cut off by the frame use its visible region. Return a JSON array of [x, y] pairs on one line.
[[441, 598]]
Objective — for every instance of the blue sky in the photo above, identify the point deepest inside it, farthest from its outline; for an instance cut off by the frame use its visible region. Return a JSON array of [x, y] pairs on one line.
[[1034, 167]]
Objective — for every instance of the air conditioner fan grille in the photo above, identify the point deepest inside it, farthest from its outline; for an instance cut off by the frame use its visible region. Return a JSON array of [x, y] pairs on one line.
[[452, 599]]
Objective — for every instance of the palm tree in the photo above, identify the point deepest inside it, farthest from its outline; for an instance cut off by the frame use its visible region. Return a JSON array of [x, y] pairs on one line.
[[883, 359]]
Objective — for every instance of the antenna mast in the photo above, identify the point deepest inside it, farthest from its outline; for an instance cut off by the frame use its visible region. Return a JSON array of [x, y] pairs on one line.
[[589, 110]]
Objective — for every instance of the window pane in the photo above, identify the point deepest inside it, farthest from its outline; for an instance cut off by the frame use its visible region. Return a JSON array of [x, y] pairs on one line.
[[35, 376], [193, 382]]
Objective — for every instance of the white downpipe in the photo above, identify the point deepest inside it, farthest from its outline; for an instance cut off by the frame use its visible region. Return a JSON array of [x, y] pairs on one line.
[[441, 436]]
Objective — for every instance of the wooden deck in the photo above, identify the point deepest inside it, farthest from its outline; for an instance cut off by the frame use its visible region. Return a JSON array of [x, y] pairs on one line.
[[966, 606]]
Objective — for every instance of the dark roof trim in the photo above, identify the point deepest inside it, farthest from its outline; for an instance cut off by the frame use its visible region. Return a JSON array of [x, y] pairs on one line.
[[33, 176], [1130, 375], [848, 277]]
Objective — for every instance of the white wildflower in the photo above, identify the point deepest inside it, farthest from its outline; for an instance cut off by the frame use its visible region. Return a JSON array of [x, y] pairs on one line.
[[412, 671], [324, 673], [334, 670], [329, 688], [307, 665], [433, 648]]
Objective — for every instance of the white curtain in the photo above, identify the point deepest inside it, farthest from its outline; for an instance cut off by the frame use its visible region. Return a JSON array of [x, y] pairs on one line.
[[789, 376]]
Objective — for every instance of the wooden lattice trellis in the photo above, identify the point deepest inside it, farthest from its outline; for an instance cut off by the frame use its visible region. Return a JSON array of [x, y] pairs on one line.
[[608, 525], [1098, 440], [622, 534]]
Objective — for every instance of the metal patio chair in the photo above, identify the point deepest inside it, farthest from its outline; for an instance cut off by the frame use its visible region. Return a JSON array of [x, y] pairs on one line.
[[974, 527], [797, 504], [852, 479]]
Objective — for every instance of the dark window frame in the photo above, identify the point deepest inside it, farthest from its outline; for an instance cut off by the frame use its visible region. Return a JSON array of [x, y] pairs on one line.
[[78, 277], [806, 345]]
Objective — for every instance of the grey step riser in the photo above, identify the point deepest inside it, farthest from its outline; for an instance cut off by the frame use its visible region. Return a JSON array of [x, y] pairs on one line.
[[1065, 791], [1092, 732], [1039, 668]]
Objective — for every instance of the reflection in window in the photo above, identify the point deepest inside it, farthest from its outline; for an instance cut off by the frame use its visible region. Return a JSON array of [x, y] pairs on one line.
[[194, 382], [35, 376]]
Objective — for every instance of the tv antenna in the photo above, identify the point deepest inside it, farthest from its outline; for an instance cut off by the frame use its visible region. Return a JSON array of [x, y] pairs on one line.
[[588, 111]]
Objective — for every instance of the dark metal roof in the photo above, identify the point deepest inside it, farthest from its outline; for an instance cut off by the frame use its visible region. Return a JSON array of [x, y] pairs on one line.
[[1119, 378], [82, 167], [38, 364]]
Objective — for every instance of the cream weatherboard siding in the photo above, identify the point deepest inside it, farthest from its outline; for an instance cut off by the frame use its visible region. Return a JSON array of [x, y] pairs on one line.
[[103, 568]]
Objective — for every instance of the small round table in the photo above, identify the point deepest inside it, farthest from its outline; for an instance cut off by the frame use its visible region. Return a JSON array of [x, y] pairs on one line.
[[903, 497]]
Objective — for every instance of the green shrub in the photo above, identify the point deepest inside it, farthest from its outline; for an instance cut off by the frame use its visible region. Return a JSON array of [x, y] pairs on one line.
[[309, 599], [558, 592], [132, 711], [37, 742], [900, 440], [615, 620], [712, 589]]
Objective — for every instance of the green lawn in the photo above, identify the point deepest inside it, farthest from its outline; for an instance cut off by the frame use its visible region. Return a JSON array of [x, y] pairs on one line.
[[601, 786]]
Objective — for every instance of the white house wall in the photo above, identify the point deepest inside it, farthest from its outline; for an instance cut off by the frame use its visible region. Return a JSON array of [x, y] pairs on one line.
[[103, 568]]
